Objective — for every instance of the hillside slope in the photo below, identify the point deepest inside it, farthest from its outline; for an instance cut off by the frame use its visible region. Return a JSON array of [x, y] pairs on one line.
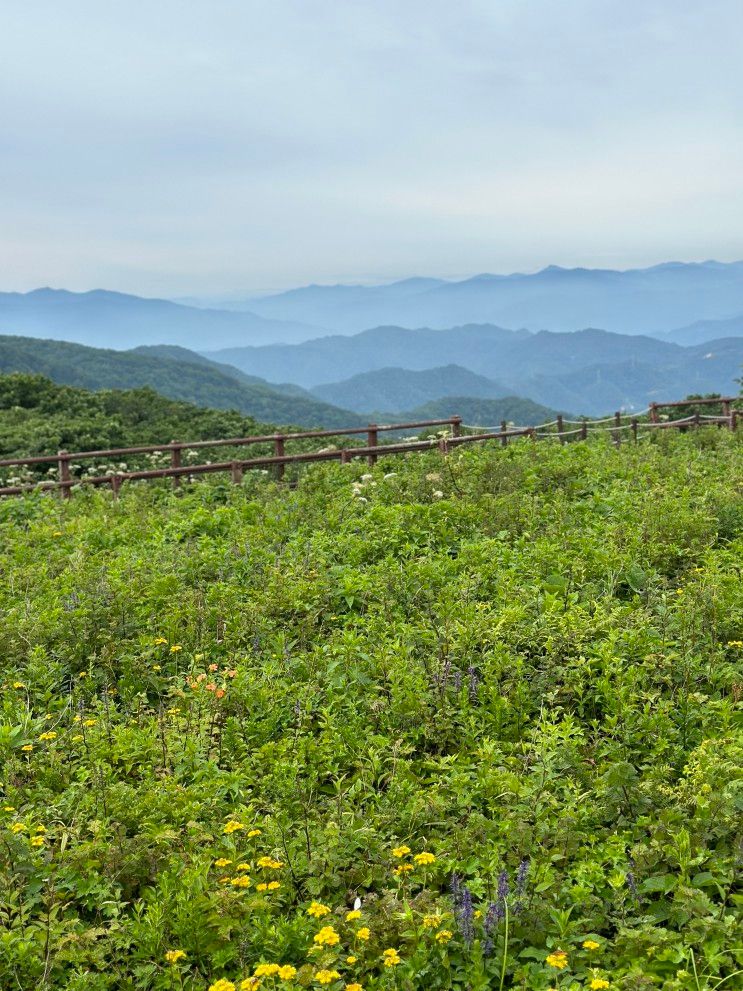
[[195, 382]]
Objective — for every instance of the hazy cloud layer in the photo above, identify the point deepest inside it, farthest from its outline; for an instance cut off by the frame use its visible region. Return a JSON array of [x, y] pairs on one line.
[[206, 147]]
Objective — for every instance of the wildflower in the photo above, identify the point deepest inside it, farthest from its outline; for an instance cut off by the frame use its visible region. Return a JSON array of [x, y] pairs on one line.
[[326, 976], [173, 956], [220, 693], [225, 880], [213, 667], [89, 722], [317, 910], [232, 826], [266, 970], [241, 867], [355, 914], [77, 738], [250, 984], [364, 933], [18, 827], [18, 684], [590, 944], [558, 959], [231, 673], [424, 858], [391, 958], [158, 641], [401, 851], [402, 869], [174, 711], [211, 687], [40, 829], [443, 936], [254, 832], [37, 841], [8, 808], [464, 909], [156, 667], [269, 863], [598, 984], [241, 881], [222, 985], [222, 862], [354, 987], [176, 648], [27, 748], [352, 959], [287, 972], [431, 921], [273, 885], [83, 674], [326, 937], [263, 886], [51, 735]]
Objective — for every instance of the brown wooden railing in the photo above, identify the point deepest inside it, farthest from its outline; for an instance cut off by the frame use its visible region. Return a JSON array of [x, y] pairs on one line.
[[65, 481]]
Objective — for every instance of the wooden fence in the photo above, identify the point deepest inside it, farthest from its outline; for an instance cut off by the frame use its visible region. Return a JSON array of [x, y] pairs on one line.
[[65, 482]]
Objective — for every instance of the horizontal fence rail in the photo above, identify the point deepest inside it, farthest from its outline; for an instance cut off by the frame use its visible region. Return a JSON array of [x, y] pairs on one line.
[[613, 425]]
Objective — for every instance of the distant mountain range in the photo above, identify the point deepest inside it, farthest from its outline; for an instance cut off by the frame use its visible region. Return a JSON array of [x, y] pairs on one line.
[[589, 371], [181, 374], [110, 319], [639, 301]]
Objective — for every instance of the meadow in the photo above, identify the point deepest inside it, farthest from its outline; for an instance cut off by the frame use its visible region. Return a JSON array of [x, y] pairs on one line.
[[448, 723]]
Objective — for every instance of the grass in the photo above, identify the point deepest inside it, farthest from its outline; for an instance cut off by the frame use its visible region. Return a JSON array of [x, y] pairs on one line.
[[522, 664]]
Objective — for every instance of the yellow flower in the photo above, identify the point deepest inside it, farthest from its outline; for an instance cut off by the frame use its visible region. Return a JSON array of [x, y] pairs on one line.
[[355, 914], [241, 881], [175, 648], [159, 640], [83, 674], [558, 959], [287, 972], [222, 985], [354, 987], [40, 829], [173, 956], [266, 970], [51, 735], [262, 886], [424, 858], [254, 832], [402, 869], [326, 976], [37, 841], [28, 748], [391, 958], [241, 867], [590, 944], [18, 684], [598, 984], [352, 959], [8, 808], [89, 722], [222, 862], [317, 910], [232, 826], [77, 738], [273, 885], [431, 921], [327, 937], [156, 667], [225, 880], [401, 851], [18, 827], [250, 984], [364, 933], [443, 936], [270, 863]]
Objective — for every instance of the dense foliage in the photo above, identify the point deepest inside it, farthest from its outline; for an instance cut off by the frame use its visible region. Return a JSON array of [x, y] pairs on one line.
[[174, 373], [495, 697]]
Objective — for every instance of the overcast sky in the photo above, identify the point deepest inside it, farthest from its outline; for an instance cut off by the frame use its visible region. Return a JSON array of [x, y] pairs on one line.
[[176, 147]]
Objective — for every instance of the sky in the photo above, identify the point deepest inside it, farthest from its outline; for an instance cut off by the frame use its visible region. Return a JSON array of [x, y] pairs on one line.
[[207, 147]]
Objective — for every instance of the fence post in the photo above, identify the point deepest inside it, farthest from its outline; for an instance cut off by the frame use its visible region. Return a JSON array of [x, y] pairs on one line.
[[617, 425], [443, 446], [733, 419], [726, 407], [696, 418], [175, 460], [63, 462], [653, 412], [372, 439], [559, 428], [115, 485], [634, 429], [584, 429], [236, 472], [345, 456], [504, 431], [456, 426], [278, 444]]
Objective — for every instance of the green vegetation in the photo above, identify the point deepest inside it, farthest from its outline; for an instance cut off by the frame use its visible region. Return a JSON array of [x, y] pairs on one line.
[[168, 370], [496, 697], [486, 412]]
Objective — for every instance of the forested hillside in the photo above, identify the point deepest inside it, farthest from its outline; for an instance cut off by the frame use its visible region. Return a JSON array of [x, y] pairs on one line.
[[449, 723]]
